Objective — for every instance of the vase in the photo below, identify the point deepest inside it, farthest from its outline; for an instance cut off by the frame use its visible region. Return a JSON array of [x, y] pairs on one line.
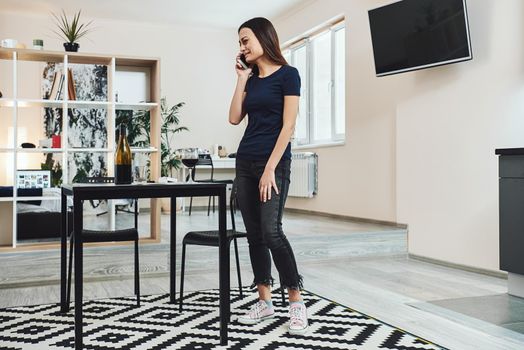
[[71, 47]]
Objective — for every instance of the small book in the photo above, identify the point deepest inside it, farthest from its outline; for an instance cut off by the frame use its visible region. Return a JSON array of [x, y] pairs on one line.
[[48, 95], [60, 87], [71, 85], [54, 87]]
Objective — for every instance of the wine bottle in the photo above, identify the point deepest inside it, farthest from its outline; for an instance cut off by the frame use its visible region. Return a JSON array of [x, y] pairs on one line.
[[123, 159]]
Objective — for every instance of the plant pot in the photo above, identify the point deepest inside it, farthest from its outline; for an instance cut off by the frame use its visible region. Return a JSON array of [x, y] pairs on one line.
[[71, 47]]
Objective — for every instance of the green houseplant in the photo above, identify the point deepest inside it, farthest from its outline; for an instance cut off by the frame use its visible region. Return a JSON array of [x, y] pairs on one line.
[[71, 30], [139, 126]]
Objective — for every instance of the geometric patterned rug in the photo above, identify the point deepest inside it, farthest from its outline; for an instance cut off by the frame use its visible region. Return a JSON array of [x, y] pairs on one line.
[[156, 325]]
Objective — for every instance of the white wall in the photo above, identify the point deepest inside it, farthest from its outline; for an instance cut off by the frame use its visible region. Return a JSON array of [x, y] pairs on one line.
[[420, 145], [357, 179], [197, 66], [447, 131]]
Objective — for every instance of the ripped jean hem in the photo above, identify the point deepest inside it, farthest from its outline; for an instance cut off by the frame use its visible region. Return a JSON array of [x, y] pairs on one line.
[[268, 282], [296, 285]]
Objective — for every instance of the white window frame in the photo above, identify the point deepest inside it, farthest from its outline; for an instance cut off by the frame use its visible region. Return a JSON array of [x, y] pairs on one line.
[[336, 138]]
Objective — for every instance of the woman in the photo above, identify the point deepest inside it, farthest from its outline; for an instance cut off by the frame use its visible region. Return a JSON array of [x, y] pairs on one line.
[[268, 92]]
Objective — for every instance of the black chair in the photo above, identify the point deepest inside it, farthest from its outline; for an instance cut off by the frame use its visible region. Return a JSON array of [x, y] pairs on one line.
[[205, 160], [91, 236], [106, 179], [211, 239]]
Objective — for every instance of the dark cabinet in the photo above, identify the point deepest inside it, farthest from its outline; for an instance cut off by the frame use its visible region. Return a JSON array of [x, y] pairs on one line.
[[511, 209]]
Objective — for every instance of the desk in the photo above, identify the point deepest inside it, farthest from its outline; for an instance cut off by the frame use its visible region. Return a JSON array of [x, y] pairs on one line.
[[81, 192]]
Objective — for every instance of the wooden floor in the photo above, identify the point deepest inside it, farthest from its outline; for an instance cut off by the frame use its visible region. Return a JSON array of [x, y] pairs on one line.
[[363, 266]]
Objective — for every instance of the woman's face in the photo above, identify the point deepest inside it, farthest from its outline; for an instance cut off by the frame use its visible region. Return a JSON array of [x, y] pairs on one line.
[[249, 45]]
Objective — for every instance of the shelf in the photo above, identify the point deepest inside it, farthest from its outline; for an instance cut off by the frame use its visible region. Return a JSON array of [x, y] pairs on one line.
[[82, 58], [39, 150], [136, 61], [89, 150], [39, 55], [37, 198], [75, 57], [141, 106], [88, 104], [32, 55], [144, 150], [6, 54], [20, 111], [25, 102], [7, 102]]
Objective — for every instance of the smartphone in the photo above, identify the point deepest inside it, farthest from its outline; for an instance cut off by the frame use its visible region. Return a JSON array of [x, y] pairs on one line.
[[243, 62]]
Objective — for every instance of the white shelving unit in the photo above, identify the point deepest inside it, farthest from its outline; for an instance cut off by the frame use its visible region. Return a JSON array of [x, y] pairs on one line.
[[16, 102]]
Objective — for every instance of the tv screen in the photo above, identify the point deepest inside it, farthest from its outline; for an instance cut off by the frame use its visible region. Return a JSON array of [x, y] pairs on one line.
[[415, 34]]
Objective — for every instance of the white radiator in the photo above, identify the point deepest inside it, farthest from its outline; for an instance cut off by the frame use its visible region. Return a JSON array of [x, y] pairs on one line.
[[304, 173]]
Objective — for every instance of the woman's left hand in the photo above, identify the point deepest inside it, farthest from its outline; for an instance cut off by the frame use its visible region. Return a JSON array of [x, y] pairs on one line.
[[267, 182]]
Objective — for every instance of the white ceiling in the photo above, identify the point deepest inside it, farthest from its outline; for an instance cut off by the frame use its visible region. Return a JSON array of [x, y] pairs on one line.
[[205, 13]]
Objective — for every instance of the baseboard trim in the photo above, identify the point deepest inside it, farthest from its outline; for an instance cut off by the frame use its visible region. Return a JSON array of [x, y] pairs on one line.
[[346, 217], [492, 273]]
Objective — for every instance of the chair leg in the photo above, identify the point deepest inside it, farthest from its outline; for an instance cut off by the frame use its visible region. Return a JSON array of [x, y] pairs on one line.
[[136, 213], [71, 243], [137, 275], [238, 268], [190, 205], [181, 298], [282, 294], [209, 205], [213, 204]]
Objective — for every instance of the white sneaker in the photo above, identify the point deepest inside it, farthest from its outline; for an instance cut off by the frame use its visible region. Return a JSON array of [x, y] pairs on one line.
[[258, 313], [298, 323]]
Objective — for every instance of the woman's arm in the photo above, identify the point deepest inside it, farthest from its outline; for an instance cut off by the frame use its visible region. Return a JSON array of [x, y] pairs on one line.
[[236, 110], [267, 181]]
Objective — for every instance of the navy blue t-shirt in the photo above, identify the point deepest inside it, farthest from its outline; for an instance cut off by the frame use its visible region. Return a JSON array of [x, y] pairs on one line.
[[264, 104]]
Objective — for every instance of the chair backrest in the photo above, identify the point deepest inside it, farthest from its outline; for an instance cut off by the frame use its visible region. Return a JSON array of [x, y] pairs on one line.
[[121, 202], [204, 160]]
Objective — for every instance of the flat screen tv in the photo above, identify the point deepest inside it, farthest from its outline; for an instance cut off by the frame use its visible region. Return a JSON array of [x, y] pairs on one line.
[[414, 34]]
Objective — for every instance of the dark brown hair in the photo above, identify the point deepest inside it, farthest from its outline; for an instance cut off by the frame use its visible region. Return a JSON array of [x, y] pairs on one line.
[[268, 38]]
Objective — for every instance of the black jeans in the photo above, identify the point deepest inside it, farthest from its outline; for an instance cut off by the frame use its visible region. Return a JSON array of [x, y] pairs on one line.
[[263, 221]]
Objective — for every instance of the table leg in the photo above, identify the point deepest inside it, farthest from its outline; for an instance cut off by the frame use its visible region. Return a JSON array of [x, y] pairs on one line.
[[172, 259], [78, 224], [63, 254], [223, 267]]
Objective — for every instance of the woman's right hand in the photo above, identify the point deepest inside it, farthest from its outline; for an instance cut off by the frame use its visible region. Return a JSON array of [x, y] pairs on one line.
[[241, 72]]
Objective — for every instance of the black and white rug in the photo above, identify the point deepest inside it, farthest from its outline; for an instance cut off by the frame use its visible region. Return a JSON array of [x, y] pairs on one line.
[[117, 324]]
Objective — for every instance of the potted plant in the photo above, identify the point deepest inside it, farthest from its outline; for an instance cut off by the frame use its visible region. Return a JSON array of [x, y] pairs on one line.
[[71, 30], [138, 126]]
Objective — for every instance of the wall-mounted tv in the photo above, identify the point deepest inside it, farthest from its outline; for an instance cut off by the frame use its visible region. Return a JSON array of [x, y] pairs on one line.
[[415, 34]]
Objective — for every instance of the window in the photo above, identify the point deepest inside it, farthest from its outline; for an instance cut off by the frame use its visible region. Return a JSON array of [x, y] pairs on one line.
[[320, 60]]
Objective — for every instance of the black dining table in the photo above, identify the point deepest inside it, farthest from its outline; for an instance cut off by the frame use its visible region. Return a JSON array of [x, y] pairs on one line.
[[84, 191]]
